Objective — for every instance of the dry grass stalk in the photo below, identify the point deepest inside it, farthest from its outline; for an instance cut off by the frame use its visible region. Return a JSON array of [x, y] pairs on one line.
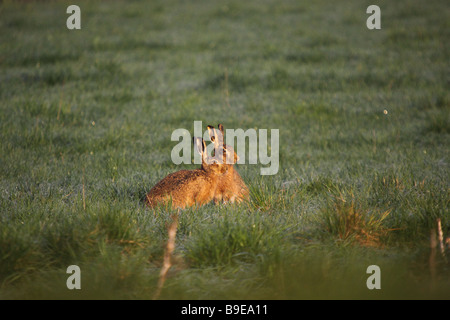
[[441, 237], [172, 231], [350, 222], [436, 236]]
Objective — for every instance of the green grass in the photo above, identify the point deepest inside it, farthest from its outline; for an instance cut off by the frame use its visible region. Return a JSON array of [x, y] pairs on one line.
[[86, 118]]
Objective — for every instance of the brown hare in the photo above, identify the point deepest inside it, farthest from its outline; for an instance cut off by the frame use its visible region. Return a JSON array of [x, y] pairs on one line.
[[230, 187], [186, 188]]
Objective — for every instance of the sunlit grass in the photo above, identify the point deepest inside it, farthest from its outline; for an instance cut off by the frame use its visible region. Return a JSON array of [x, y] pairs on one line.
[[347, 221]]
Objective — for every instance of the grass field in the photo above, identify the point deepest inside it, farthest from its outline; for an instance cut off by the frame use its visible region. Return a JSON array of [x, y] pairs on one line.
[[86, 118]]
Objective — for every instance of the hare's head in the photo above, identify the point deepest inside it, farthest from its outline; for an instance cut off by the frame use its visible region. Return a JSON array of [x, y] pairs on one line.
[[209, 164], [222, 152]]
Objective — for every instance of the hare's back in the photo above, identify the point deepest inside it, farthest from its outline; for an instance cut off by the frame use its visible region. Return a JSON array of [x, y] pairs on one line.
[[185, 188], [176, 181]]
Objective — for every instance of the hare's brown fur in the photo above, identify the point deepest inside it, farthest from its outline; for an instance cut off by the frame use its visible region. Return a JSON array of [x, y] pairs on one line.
[[230, 187], [217, 179], [186, 188]]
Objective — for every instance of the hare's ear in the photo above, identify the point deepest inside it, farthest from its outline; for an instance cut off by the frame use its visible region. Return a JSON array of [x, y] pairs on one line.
[[221, 134], [211, 132], [213, 136], [199, 145], [204, 148]]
